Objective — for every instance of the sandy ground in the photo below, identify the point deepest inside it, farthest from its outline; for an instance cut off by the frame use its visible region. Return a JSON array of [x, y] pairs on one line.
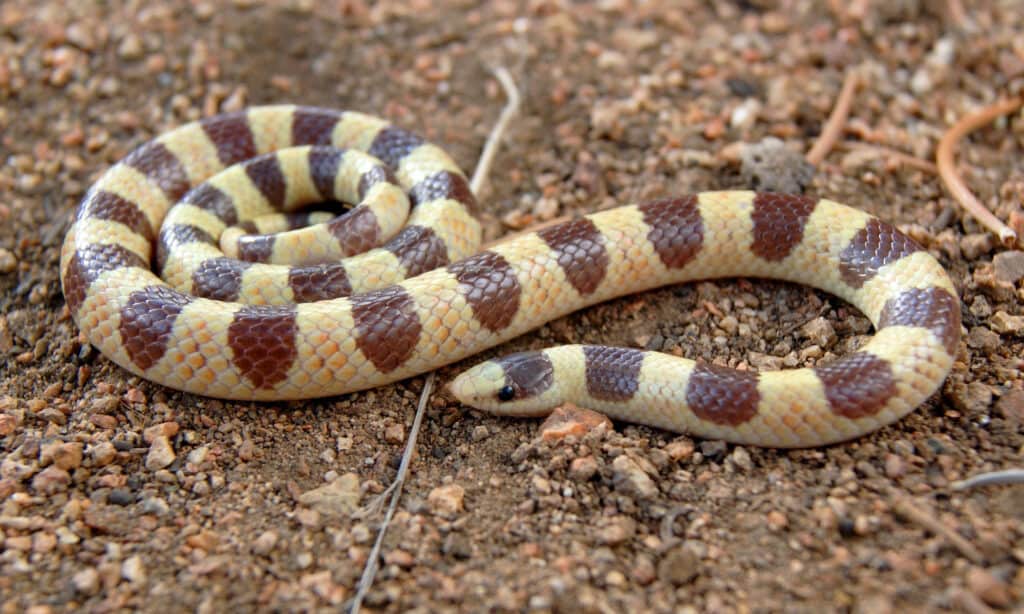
[[119, 494]]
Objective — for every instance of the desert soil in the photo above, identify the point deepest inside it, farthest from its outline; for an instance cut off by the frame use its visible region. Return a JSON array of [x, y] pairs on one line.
[[120, 494]]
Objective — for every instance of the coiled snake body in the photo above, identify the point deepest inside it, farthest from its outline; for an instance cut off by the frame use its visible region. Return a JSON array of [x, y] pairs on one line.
[[425, 297]]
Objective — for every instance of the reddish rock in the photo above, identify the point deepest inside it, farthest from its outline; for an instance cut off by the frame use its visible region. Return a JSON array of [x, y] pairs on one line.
[[568, 419]]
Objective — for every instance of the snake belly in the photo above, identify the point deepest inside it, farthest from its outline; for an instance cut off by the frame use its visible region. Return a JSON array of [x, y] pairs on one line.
[[441, 300]]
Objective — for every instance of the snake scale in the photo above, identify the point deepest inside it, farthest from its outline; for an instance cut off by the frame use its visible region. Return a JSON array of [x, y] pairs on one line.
[[284, 319]]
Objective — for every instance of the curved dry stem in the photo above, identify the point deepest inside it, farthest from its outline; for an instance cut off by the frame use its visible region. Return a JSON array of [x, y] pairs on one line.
[[483, 167], [992, 478], [834, 126], [952, 180], [896, 156]]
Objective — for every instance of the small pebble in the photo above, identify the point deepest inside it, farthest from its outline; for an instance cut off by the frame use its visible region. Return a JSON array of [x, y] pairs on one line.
[[264, 544], [680, 449], [1003, 323], [8, 263], [7, 424], [982, 338], [1011, 406], [568, 419], [741, 459], [980, 307], [102, 454], [446, 500], [680, 566], [583, 468], [630, 479], [156, 506], [714, 449], [988, 587], [770, 166], [86, 581], [616, 531], [820, 332], [895, 467], [104, 421], [541, 485], [457, 545], [400, 557], [338, 498], [164, 429], [777, 520], [160, 455], [643, 571], [121, 496], [51, 480], [43, 542], [54, 416], [394, 433], [130, 48], [1009, 266], [133, 570], [68, 456], [976, 245]]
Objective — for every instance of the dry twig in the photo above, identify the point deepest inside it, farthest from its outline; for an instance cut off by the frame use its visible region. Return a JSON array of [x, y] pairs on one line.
[[834, 126], [395, 489], [908, 510], [896, 156], [992, 478], [955, 184]]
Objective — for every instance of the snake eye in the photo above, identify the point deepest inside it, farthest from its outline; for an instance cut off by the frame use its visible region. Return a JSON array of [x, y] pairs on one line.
[[507, 393]]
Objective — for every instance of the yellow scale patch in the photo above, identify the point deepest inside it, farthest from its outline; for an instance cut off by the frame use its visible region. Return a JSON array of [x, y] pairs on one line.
[[265, 284], [422, 162], [390, 206], [299, 188], [134, 186], [918, 270], [449, 326], [182, 264], [535, 262], [249, 201], [104, 232], [194, 150], [631, 258], [185, 213], [326, 346], [271, 127], [356, 131], [198, 353], [100, 313]]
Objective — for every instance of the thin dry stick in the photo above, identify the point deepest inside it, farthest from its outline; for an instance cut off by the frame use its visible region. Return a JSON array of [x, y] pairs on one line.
[[896, 155], [992, 478], [834, 126], [908, 510], [395, 489], [955, 184], [483, 166]]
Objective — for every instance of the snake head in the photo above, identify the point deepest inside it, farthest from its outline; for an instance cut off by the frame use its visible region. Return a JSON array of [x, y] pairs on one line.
[[515, 385]]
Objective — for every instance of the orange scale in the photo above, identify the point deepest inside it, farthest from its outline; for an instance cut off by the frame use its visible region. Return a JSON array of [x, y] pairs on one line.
[[183, 372], [337, 361]]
